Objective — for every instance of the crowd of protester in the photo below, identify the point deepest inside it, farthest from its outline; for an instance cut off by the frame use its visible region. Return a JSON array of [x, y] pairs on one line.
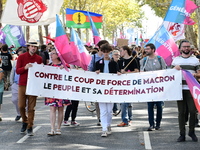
[[105, 59]]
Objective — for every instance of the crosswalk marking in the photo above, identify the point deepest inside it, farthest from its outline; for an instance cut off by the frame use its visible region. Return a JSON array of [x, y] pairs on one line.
[[26, 136]]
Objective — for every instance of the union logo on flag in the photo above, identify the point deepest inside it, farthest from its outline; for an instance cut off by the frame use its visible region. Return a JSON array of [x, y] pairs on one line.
[[31, 11]]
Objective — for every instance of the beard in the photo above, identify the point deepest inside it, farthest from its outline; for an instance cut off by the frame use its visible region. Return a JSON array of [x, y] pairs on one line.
[[186, 52]]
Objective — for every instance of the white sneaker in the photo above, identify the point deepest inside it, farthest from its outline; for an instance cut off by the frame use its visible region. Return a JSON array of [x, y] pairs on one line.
[[74, 123], [104, 134], [109, 130], [66, 123]]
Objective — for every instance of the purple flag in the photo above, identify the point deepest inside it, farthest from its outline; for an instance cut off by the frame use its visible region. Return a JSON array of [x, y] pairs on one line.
[[194, 87]]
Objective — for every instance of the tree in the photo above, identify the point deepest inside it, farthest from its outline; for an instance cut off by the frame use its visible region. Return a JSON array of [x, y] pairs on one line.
[[2, 2]]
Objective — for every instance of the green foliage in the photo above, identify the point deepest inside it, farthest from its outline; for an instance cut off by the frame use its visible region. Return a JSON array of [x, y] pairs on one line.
[[159, 6]]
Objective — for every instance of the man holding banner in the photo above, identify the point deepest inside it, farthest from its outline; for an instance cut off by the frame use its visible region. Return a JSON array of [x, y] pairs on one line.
[[23, 64], [190, 63]]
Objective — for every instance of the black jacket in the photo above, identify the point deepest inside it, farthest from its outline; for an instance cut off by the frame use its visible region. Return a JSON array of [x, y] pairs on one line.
[[113, 66]]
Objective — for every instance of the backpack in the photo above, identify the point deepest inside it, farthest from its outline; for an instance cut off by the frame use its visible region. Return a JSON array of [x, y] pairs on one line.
[[145, 59], [159, 59]]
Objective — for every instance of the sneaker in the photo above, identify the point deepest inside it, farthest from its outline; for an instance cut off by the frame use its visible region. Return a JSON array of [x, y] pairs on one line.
[[74, 123], [151, 128], [24, 126], [181, 139], [66, 123], [104, 134], [122, 124], [30, 131], [129, 123], [98, 123], [109, 130], [157, 128], [17, 118], [197, 125], [193, 136]]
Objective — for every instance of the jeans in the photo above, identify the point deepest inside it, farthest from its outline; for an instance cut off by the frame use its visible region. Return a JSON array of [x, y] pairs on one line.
[[71, 109], [186, 102], [126, 112], [115, 107], [97, 111], [151, 113], [22, 106]]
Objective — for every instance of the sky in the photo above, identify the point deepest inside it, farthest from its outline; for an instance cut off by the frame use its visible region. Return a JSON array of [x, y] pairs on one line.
[[152, 23]]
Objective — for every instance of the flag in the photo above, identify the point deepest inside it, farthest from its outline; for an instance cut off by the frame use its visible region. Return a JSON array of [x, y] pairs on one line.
[[194, 87], [74, 47], [139, 40], [96, 36], [122, 36], [130, 31], [14, 36], [49, 39], [30, 12], [85, 57], [62, 44], [180, 11], [2, 37], [176, 30], [165, 45], [80, 19]]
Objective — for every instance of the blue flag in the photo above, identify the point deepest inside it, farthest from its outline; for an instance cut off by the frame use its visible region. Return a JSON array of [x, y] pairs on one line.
[[180, 11]]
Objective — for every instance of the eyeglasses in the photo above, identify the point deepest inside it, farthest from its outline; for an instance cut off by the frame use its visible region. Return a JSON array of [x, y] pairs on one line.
[[147, 48], [116, 54], [185, 46], [52, 53]]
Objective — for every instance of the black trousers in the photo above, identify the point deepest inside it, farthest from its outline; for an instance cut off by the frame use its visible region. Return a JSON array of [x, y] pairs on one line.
[[186, 102], [71, 109]]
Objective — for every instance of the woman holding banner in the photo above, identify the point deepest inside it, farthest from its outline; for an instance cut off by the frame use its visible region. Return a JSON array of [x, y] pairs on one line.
[[105, 65], [56, 104]]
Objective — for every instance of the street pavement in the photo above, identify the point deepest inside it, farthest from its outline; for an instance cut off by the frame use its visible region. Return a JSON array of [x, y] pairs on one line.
[[88, 136]]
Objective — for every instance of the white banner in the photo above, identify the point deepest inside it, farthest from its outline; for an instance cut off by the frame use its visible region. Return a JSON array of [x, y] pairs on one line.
[[48, 81], [31, 12]]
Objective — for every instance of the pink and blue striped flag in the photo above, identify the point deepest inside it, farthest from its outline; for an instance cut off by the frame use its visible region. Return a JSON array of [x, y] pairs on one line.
[[77, 44], [165, 45], [180, 12], [96, 36], [194, 87], [74, 47], [62, 44]]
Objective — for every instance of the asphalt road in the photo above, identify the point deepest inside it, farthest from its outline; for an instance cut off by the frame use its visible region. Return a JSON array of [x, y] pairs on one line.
[[88, 135]]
